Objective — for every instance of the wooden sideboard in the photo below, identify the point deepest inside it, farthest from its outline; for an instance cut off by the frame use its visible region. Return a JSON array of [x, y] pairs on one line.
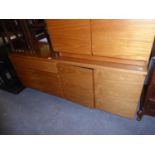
[[102, 63], [111, 87]]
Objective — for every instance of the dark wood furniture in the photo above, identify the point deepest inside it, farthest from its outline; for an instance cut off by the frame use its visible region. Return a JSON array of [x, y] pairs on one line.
[[22, 36], [147, 103], [8, 78], [26, 35], [12, 33], [39, 34], [10, 37]]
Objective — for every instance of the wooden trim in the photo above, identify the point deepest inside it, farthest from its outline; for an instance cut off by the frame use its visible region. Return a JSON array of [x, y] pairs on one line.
[[91, 38], [107, 59], [101, 64], [94, 87], [94, 64]]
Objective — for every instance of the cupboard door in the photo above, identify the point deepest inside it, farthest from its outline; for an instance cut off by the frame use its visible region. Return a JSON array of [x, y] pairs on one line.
[[28, 77], [77, 84], [128, 39], [70, 36], [50, 83], [118, 91], [44, 81]]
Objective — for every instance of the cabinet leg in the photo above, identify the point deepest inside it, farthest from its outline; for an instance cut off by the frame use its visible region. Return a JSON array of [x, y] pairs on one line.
[[139, 115]]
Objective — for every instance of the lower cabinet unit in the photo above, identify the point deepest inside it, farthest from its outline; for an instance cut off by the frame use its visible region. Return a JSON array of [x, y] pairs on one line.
[[110, 87], [77, 84], [118, 91]]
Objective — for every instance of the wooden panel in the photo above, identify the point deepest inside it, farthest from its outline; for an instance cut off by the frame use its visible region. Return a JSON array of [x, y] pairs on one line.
[[50, 83], [71, 36], [102, 64], [104, 59], [33, 63], [44, 81], [77, 84], [28, 77], [128, 39], [117, 91]]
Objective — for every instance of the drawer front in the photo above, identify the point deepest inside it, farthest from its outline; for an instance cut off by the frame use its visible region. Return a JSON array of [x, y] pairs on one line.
[[44, 81], [77, 84], [33, 63], [118, 91]]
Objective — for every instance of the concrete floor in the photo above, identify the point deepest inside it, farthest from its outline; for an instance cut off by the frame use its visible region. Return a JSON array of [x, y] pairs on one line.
[[34, 112]]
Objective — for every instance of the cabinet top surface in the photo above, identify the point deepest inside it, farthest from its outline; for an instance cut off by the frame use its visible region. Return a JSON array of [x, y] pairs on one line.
[[85, 63]]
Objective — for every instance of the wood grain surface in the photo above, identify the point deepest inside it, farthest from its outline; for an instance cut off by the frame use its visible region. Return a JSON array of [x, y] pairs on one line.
[[71, 36], [33, 63], [117, 91], [77, 83], [108, 86], [105, 59], [126, 39]]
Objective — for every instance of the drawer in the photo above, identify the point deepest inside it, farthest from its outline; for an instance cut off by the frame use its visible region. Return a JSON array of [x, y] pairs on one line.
[[34, 63]]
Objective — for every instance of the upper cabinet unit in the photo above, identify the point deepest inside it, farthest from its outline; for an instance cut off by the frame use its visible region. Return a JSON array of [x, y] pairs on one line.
[[127, 39], [70, 36], [112, 38]]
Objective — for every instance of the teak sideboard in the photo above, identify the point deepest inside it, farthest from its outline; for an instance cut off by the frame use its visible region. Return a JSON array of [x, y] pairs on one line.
[[102, 63]]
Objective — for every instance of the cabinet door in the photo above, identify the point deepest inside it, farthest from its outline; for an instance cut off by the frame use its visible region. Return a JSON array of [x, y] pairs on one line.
[[77, 84], [44, 81], [118, 91], [70, 36], [28, 77], [50, 83], [128, 39]]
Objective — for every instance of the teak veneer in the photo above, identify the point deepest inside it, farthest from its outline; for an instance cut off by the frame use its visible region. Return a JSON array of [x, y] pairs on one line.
[[111, 87]]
